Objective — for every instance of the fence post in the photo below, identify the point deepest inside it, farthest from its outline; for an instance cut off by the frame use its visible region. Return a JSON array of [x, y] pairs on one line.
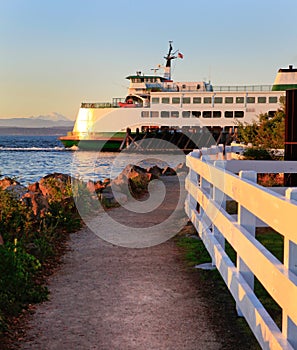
[[208, 188], [289, 328], [220, 198], [247, 220], [195, 178]]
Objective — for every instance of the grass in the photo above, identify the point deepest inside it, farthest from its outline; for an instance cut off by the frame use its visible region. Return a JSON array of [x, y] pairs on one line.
[[195, 253]]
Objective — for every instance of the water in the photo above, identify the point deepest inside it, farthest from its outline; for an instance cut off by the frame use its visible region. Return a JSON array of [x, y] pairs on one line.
[[29, 158]]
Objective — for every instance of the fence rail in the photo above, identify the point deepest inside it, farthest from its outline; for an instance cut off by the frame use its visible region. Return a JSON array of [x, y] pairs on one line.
[[213, 180]]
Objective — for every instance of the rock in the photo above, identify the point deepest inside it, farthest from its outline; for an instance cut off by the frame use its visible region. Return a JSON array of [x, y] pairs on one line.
[[155, 171], [106, 181], [97, 186], [6, 182], [107, 199], [133, 178], [34, 187], [56, 186], [16, 190], [167, 171], [37, 202]]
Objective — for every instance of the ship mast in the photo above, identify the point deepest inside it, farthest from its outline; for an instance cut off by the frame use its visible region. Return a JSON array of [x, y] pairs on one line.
[[170, 56]]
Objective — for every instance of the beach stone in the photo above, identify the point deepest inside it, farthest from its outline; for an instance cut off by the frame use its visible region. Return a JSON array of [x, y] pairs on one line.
[[34, 187], [107, 199], [55, 187], [6, 182], [133, 179], [97, 186], [17, 191], [37, 202], [106, 181]]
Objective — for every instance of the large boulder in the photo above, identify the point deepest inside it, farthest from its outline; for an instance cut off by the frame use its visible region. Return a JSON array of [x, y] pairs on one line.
[[96, 186], [13, 187], [17, 191], [132, 179], [7, 181], [55, 187], [37, 202]]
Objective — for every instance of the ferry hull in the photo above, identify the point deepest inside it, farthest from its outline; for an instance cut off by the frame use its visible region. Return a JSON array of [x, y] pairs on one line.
[[103, 142]]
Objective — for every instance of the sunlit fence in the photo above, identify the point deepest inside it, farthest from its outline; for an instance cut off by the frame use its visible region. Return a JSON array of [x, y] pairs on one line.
[[215, 180]]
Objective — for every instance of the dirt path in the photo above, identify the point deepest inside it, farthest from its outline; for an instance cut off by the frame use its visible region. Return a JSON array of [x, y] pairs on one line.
[[108, 297]]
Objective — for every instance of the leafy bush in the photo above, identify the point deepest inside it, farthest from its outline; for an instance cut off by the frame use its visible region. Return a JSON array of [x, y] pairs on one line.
[[30, 242], [267, 132], [257, 153], [18, 287]]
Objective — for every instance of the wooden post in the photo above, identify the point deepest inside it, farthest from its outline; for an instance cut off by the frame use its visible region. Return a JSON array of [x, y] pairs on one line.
[[289, 328], [195, 178], [220, 198], [247, 220]]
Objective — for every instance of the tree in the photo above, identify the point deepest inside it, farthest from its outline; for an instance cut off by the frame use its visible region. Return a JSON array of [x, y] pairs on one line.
[[266, 133]]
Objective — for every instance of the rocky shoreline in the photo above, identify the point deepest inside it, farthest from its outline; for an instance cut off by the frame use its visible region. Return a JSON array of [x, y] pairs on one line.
[[38, 196]]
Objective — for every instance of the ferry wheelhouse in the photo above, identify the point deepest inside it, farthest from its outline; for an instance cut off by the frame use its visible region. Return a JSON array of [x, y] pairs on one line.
[[157, 107]]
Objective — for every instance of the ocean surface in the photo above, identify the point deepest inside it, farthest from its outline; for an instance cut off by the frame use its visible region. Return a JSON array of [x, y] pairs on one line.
[[29, 158]]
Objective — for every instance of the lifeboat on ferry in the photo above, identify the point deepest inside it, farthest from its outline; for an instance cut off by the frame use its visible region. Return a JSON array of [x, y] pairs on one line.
[[127, 104]]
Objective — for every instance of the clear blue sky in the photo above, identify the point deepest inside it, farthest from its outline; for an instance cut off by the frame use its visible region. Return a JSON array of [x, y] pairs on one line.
[[57, 53]]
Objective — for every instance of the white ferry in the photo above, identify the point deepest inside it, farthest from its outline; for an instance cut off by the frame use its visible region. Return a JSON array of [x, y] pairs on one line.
[[158, 107]]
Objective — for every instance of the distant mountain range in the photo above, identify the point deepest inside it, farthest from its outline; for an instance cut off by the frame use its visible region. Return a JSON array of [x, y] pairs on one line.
[[52, 120]]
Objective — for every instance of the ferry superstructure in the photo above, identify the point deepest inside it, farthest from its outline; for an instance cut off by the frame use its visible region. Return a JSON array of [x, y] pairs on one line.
[[157, 103]]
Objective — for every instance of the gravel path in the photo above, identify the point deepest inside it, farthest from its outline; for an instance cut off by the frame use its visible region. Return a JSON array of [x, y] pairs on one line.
[[109, 297]]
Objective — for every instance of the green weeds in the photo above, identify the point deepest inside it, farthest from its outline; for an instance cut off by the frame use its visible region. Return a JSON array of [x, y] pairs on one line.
[[31, 244]]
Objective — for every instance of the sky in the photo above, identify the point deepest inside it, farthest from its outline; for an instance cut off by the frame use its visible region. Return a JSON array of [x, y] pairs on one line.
[[56, 54]]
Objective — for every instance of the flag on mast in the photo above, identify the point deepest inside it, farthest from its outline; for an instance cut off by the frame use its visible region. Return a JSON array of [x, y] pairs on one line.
[[180, 55]]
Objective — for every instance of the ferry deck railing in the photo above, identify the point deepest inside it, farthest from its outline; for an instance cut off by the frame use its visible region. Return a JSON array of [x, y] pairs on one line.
[[213, 180]]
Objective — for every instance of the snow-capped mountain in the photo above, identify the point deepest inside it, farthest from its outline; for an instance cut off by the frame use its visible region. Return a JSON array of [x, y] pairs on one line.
[[53, 119]]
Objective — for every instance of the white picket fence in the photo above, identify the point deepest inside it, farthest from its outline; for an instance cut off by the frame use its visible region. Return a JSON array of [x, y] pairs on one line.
[[213, 179]]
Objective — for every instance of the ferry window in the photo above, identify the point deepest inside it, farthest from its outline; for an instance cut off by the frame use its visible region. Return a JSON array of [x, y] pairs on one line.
[[229, 114], [145, 114], [239, 114], [272, 99], [228, 99], [165, 99], [250, 99], [207, 100], [218, 100], [196, 114], [155, 114], [186, 114], [186, 100], [262, 99], [155, 100], [196, 99], [206, 114], [184, 86], [217, 114], [239, 99], [174, 114], [164, 114], [175, 100]]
